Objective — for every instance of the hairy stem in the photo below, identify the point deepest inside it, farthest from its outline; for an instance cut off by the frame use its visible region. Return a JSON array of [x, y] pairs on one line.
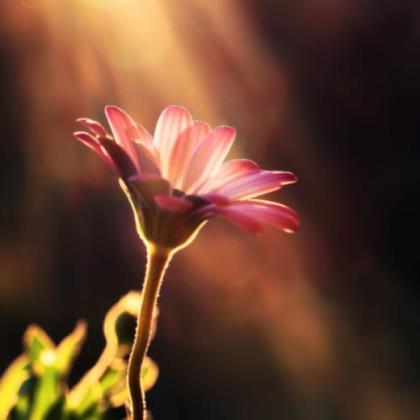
[[157, 262]]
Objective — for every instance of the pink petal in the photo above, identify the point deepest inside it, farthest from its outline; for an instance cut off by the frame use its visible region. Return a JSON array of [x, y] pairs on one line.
[[94, 126], [146, 159], [208, 157], [174, 204], [215, 198], [269, 212], [144, 135], [229, 171], [182, 151], [122, 161], [125, 131], [239, 218], [171, 123], [93, 144], [256, 183], [87, 139]]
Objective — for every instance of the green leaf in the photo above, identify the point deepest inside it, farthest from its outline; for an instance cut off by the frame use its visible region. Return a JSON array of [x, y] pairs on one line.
[[89, 404], [35, 341], [21, 409], [47, 391], [10, 383], [25, 397], [90, 407], [115, 376], [69, 348]]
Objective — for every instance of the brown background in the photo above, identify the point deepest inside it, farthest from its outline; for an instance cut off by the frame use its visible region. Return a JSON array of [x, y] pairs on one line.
[[322, 325]]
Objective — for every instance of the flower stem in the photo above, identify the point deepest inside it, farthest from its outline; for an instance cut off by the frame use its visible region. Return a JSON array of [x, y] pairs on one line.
[[157, 262]]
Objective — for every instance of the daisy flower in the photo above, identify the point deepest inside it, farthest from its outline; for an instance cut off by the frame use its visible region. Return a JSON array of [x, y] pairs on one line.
[[176, 180]]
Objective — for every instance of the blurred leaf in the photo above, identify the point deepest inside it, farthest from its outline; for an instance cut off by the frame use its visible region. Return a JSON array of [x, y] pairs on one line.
[[125, 309], [10, 383], [114, 376], [149, 373], [47, 391], [21, 410], [69, 348], [25, 397], [34, 386], [96, 395], [89, 407], [35, 341]]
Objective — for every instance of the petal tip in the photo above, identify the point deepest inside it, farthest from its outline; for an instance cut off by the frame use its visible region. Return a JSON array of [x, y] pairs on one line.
[[176, 111], [228, 129], [290, 231], [284, 177], [293, 178], [175, 108], [112, 109], [82, 136]]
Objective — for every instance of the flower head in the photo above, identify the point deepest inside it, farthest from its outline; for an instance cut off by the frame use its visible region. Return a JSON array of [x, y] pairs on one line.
[[178, 178]]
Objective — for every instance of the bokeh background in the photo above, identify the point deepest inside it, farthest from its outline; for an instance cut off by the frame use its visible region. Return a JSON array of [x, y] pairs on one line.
[[320, 325]]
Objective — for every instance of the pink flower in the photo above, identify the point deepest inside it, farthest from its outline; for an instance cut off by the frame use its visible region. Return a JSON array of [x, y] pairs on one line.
[[178, 178]]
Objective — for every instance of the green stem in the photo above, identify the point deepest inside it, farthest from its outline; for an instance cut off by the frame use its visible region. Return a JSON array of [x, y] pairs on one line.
[[157, 262]]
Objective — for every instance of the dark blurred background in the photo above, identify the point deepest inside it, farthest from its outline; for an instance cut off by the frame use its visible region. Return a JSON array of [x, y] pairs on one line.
[[321, 325]]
